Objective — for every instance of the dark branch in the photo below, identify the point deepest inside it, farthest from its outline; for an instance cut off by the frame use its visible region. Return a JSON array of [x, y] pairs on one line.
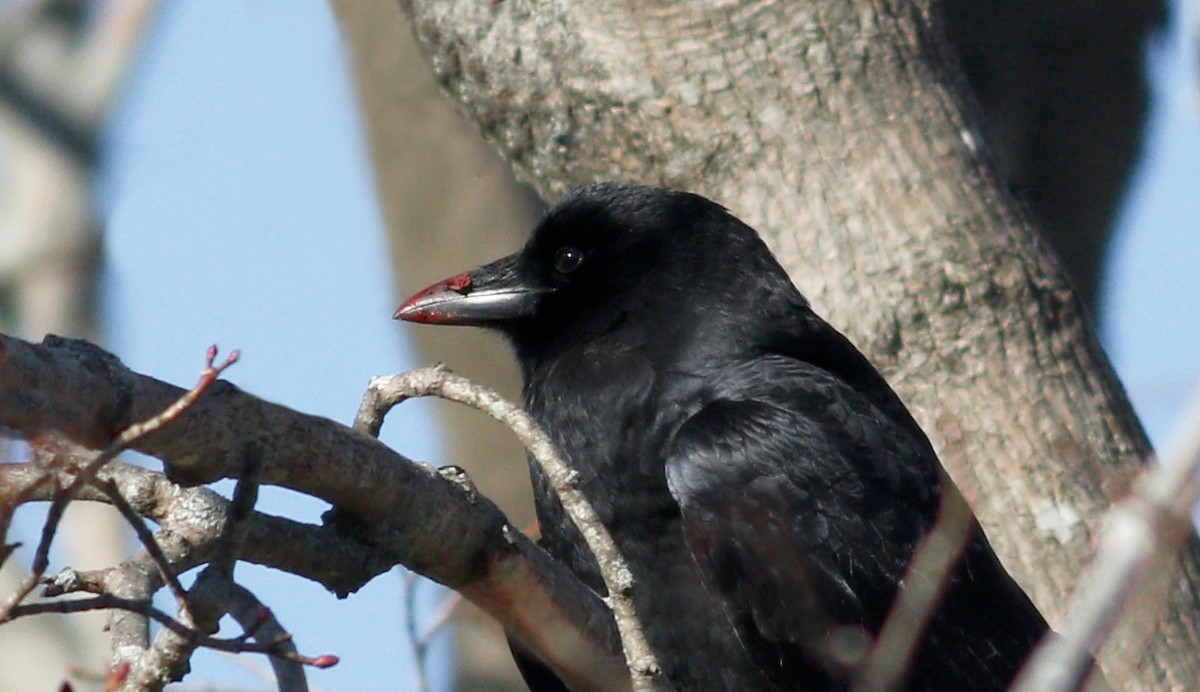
[[108, 602]]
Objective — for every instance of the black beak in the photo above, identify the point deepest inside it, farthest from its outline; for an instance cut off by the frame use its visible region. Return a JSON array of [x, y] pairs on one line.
[[496, 292]]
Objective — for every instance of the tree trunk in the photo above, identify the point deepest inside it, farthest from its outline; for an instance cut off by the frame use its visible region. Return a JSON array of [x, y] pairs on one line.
[[449, 203], [838, 130], [1063, 89], [61, 67]]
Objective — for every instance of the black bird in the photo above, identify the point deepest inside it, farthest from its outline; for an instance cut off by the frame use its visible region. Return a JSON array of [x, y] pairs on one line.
[[766, 486]]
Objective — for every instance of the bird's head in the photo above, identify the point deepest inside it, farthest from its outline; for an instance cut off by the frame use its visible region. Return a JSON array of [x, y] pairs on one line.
[[609, 255]]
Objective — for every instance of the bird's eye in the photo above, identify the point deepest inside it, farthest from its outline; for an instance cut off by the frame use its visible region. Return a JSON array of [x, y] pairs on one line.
[[567, 260]]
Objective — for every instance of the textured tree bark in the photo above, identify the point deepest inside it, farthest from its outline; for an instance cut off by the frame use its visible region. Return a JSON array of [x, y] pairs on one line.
[[433, 522], [837, 129]]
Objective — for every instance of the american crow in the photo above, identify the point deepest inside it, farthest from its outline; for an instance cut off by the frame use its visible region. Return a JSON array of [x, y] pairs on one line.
[[766, 486]]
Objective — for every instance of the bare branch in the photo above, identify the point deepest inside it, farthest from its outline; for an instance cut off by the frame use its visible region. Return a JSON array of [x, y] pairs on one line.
[[192, 519], [259, 622], [1141, 532], [70, 580], [385, 392], [147, 539], [411, 514], [126, 438], [135, 579], [245, 495], [421, 637], [41, 558], [234, 645], [172, 412], [212, 596], [925, 582], [9, 503], [167, 658]]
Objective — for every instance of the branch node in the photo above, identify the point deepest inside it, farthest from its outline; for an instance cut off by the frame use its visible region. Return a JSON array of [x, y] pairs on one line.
[[66, 581], [440, 382], [459, 477], [510, 535]]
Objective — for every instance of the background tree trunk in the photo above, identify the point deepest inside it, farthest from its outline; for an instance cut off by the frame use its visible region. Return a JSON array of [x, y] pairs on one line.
[[838, 130], [62, 63], [450, 203], [1062, 89]]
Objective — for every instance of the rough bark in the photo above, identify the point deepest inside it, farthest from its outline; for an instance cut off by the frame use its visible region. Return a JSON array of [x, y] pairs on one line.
[[839, 131]]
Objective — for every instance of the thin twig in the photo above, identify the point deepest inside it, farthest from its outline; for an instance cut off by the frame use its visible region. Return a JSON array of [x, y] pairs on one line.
[[6, 513], [148, 541], [214, 594], [122, 442], [446, 610], [410, 581], [241, 508], [110, 602], [1149, 525], [259, 622], [385, 392], [171, 413], [187, 514], [925, 582], [422, 637], [71, 580], [41, 559]]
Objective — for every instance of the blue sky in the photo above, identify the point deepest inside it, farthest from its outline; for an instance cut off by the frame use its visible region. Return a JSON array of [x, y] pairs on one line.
[[1152, 322], [240, 211]]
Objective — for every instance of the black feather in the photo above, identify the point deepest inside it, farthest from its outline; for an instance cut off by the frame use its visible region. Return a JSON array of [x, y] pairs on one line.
[[764, 483]]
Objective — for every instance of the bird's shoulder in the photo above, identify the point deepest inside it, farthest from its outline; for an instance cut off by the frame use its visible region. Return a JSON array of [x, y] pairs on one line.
[[777, 416], [801, 504]]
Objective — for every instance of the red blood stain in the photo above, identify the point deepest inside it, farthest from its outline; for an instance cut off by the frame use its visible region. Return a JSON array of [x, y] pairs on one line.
[[460, 283]]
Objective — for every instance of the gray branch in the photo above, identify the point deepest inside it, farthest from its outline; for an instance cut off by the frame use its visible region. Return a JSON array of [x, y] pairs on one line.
[[386, 392], [409, 513], [1141, 538]]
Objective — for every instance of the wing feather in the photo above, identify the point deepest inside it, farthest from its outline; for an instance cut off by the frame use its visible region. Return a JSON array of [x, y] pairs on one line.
[[801, 504]]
